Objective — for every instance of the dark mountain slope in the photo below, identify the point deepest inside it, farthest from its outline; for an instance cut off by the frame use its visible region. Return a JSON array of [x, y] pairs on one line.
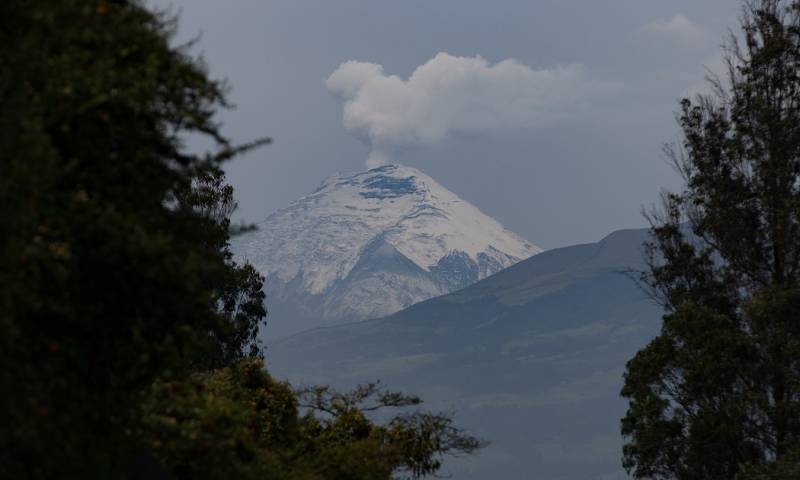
[[530, 358]]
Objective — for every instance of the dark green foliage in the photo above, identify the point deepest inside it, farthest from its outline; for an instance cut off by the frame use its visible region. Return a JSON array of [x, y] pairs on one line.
[[348, 445], [787, 468], [114, 267], [238, 422], [717, 393], [233, 422]]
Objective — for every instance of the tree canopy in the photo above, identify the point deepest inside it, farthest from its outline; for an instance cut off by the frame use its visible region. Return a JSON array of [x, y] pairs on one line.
[[239, 421], [717, 393], [111, 272]]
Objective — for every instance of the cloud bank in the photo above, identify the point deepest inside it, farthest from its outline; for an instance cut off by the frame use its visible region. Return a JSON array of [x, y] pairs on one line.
[[450, 95], [678, 29]]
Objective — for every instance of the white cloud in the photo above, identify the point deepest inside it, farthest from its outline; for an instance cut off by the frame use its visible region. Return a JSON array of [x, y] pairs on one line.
[[678, 29], [450, 95]]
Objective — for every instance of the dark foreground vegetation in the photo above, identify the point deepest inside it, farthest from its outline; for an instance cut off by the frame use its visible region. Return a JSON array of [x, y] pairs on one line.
[[717, 394], [129, 337]]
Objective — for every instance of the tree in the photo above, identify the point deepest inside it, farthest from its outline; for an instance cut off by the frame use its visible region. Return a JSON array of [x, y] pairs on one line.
[[717, 393], [114, 265], [347, 444], [239, 422]]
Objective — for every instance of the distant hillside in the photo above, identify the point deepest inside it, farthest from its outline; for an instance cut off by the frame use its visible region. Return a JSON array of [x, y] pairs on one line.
[[531, 358]]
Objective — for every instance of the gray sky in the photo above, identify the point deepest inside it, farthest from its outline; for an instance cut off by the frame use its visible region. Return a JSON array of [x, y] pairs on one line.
[[562, 147]]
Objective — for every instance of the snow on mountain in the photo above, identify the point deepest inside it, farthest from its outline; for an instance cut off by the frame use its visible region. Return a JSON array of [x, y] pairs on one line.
[[369, 244]]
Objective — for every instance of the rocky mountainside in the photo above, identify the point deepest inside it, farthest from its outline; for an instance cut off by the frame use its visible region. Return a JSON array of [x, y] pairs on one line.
[[369, 244]]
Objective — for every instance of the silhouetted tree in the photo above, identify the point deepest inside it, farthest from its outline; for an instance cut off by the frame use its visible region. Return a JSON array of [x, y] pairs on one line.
[[717, 393], [114, 264]]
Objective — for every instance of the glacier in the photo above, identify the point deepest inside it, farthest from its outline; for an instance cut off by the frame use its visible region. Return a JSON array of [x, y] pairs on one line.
[[369, 244]]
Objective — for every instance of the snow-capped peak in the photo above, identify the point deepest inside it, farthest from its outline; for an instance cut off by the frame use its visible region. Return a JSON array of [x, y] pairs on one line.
[[323, 233], [317, 240]]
